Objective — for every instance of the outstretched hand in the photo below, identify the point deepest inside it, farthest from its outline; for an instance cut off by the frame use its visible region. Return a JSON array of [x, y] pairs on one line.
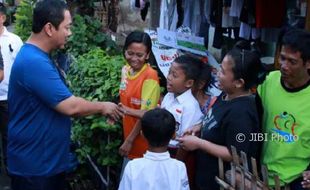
[[194, 130], [122, 109], [189, 142], [110, 109], [125, 148]]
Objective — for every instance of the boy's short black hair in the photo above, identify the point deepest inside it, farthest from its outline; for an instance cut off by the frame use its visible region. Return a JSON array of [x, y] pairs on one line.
[[158, 127], [190, 65]]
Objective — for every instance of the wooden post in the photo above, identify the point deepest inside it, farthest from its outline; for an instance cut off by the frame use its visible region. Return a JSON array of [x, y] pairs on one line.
[[234, 165], [277, 182], [255, 176], [265, 175], [221, 171]]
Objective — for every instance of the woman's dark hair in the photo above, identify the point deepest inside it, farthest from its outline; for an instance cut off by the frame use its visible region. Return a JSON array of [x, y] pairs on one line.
[[158, 127], [138, 37], [247, 65], [205, 75], [190, 65], [46, 11]]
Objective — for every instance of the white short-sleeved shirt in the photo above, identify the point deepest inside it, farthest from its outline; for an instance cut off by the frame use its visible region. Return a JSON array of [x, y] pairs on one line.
[[10, 45], [155, 171], [185, 109]]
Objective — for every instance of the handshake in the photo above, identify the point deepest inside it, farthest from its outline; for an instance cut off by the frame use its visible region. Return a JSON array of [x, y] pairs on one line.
[[117, 111]]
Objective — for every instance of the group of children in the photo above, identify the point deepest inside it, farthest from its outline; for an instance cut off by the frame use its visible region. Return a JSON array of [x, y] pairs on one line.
[[189, 118]]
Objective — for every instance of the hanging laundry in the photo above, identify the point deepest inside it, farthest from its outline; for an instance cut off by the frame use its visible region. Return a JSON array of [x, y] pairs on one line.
[[192, 15], [168, 15], [247, 14], [248, 32], [144, 11], [235, 8], [270, 14], [180, 11]]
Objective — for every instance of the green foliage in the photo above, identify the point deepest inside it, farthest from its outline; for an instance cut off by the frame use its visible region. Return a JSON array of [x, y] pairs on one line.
[[87, 35], [86, 31], [24, 18], [96, 76]]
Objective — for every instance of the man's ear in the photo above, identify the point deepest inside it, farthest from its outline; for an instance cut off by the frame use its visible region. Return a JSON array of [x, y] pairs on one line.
[[239, 83], [308, 66], [48, 28], [189, 83]]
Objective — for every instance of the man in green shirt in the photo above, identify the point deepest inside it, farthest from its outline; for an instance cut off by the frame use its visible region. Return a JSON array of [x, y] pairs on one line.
[[286, 120]]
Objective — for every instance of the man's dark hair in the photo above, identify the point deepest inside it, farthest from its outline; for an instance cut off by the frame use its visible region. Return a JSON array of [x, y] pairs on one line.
[[48, 11], [298, 40], [158, 127], [2, 9]]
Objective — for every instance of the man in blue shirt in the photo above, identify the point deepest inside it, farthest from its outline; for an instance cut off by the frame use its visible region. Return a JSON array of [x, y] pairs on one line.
[[40, 105]]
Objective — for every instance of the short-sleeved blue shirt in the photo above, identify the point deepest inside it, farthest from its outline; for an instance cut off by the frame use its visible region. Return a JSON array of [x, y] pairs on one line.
[[38, 135]]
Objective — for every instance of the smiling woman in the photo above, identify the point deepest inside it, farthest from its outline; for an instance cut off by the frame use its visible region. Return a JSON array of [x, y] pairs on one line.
[[139, 91], [230, 121]]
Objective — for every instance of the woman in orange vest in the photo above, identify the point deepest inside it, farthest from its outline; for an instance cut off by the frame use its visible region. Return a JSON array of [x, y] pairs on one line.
[[139, 91]]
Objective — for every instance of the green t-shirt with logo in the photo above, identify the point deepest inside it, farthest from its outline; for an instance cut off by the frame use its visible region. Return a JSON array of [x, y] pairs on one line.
[[286, 123]]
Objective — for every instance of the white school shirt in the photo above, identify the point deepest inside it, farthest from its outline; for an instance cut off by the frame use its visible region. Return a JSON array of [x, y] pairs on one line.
[[185, 109], [155, 171], [10, 45]]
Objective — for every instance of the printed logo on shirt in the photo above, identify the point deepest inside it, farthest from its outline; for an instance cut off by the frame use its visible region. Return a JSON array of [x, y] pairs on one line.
[[178, 110], [147, 102], [209, 121], [285, 125], [135, 101], [122, 85]]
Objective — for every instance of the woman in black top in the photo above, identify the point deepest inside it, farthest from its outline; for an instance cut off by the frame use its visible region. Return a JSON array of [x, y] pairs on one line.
[[232, 121]]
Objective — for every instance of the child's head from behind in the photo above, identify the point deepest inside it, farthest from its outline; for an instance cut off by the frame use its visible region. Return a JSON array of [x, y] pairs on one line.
[[137, 49], [240, 70], [204, 79], [158, 127], [183, 73]]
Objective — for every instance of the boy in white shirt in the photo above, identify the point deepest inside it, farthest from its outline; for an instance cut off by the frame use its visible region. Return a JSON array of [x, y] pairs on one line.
[[156, 170], [179, 100]]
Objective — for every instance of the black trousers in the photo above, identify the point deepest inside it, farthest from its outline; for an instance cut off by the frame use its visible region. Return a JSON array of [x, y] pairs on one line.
[[56, 182], [4, 118]]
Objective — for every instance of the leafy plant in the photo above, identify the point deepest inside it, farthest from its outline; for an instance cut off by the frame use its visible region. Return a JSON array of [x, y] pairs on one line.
[[24, 18], [86, 31], [96, 76], [87, 35]]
